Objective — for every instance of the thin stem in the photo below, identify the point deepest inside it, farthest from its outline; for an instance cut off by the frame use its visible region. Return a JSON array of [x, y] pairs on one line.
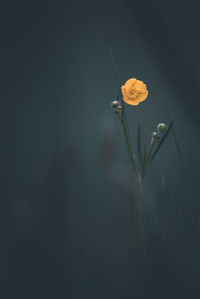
[[140, 192], [116, 72], [124, 123], [153, 140], [177, 147], [139, 145], [130, 150]]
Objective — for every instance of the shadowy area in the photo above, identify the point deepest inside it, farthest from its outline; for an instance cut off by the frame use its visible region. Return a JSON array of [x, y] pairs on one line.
[[68, 212]]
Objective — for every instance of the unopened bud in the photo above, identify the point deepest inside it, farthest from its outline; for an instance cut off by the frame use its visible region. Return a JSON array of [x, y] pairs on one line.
[[154, 134], [118, 109], [161, 127], [115, 104]]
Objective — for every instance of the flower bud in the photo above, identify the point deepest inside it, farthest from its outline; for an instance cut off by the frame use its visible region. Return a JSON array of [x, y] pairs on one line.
[[115, 104], [161, 127], [117, 108], [154, 134]]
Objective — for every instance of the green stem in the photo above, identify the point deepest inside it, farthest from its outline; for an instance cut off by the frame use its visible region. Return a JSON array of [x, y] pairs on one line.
[[140, 192], [130, 150], [153, 140]]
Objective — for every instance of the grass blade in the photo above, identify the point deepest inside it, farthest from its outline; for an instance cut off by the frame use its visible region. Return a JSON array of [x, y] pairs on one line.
[[179, 151], [120, 92], [139, 145], [116, 73], [177, 147], [144, 156], [145, 153]]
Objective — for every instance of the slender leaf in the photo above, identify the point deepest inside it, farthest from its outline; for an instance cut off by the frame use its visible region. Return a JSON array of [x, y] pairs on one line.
[[144, 156], [139, 144], [145, 152], [116, 73], [177, 147], [119, 89]]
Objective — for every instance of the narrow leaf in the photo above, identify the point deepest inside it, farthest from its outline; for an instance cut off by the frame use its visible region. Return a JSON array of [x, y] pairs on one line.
[[116, 73], [139, 144], [177, 148], [145, 155], [118, 86]]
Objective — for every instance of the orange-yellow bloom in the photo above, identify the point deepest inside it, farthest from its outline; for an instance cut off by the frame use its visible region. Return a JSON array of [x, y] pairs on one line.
[[134, 91]]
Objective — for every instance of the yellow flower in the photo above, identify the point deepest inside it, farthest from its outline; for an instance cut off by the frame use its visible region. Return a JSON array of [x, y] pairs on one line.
[[134, 91]]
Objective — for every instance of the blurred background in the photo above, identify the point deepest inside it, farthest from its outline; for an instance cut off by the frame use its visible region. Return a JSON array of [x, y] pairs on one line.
[[68, 229]]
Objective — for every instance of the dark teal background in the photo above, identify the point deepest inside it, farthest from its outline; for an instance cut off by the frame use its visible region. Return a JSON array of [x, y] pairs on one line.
[[64, 225]]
